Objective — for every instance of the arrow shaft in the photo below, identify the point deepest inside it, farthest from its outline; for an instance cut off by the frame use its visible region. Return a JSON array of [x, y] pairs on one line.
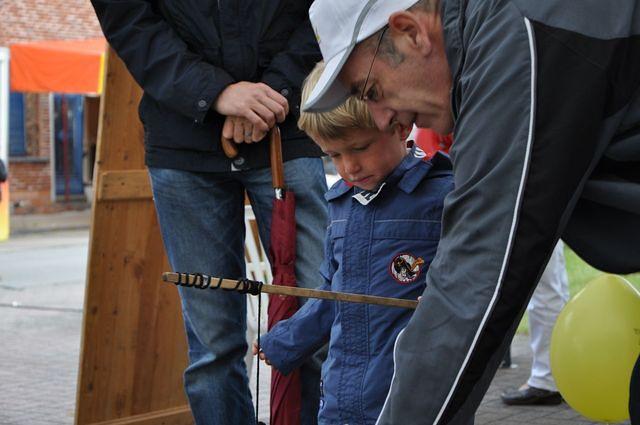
[[248, 286]]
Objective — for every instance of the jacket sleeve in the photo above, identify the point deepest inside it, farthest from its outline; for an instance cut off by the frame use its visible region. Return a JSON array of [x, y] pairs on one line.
[[290, 67], [292, 341], [158, 59], [525, 142]]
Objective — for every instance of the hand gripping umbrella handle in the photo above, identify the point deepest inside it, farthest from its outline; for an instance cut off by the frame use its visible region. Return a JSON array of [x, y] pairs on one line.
[[275, 152]]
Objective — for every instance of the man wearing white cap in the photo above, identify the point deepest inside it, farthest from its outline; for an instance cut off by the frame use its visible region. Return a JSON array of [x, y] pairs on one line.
[[543, 99]]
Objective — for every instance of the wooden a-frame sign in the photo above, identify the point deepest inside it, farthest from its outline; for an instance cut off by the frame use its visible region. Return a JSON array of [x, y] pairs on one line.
[[133, 349]]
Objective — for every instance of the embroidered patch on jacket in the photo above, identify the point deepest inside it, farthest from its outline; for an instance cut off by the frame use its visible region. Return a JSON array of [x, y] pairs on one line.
[[405, 268]]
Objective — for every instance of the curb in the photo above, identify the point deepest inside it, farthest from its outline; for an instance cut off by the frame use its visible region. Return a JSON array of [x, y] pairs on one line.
[[42, 223]]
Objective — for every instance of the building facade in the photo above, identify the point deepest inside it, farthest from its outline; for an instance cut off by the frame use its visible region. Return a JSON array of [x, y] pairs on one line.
[[51, 136]]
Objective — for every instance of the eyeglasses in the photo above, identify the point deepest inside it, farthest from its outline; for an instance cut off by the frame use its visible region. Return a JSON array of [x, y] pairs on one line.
[[375, 53]]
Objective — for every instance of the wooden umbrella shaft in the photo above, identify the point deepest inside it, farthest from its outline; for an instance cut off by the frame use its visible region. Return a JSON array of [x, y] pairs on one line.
[[253, 287]]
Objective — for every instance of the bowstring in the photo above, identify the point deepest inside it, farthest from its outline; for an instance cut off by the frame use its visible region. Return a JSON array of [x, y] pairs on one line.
[[258, 358]]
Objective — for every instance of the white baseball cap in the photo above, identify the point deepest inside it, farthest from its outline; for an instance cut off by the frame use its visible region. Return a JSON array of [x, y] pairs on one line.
[[340, 25]]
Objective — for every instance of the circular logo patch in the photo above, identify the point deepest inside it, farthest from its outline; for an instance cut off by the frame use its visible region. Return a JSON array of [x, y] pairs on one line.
[[405, 268]]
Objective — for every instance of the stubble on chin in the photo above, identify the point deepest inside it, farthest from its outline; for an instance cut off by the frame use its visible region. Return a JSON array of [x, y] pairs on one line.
[[441, 123]]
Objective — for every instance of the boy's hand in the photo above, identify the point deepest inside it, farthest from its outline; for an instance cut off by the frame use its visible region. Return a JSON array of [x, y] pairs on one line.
[[262, 356], [240, 130], [258, 103]]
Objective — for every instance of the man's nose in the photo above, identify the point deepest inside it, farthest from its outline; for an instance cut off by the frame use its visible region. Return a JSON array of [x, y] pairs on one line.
[[381, 116]]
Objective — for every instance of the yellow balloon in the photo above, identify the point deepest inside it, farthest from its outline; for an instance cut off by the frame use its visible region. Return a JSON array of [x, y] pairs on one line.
[[594, 346]]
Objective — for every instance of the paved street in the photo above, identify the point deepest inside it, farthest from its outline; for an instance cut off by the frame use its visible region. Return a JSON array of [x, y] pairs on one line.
[[41, 298]]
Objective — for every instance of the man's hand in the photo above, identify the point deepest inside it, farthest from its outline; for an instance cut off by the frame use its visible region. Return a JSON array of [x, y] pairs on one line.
[[256, 350], [257, 103], [240, 130]]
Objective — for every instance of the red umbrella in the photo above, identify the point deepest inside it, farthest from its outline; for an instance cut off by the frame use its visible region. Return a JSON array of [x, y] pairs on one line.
[[286, 394]]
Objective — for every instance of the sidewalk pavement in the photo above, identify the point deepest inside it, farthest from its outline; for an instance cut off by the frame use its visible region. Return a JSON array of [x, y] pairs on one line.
[[67, 220], [40, 347]]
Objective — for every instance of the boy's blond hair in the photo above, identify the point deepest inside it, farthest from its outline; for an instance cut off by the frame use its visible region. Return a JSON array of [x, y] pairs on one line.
[[334, 124]]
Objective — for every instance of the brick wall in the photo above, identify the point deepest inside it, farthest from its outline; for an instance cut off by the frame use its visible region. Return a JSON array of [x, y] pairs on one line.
[[44, 126], [31, 20], [31, 186], [32, 123]]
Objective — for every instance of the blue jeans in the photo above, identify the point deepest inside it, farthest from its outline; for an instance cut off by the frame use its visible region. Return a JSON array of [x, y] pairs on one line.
[[201, 219]]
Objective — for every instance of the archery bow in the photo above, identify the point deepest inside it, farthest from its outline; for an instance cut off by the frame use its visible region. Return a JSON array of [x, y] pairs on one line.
[[254, 287]]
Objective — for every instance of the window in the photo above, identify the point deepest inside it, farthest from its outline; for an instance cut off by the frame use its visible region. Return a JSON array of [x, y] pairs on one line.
[[17, 139]]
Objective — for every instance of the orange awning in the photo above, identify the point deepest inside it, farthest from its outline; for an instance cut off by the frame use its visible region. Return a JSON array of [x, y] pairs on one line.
[[60, 66]]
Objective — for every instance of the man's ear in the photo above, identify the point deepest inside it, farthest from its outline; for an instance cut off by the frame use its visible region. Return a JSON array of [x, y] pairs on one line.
[[410, 30]]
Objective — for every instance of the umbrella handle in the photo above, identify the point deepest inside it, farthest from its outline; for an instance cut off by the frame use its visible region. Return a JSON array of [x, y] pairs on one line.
[[229, 147], [275, 152]]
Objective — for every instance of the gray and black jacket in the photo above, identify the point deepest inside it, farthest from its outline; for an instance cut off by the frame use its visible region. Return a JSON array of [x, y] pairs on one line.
[[546, 145], [183, 53]]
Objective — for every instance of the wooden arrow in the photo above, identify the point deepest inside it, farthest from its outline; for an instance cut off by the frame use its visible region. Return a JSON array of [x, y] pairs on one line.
[[255, 287]]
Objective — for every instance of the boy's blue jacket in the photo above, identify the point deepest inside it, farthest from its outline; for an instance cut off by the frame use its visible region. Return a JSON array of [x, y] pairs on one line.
[[382, 248]]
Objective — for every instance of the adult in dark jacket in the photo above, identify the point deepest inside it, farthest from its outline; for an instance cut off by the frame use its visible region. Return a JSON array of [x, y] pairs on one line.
[[208, 67], [544, 102]]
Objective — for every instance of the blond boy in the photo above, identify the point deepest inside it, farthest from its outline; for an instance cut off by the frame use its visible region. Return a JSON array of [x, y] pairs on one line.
[[385, 225]]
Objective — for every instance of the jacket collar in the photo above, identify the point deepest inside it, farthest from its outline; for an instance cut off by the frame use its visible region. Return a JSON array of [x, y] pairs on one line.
[[337, 190], [406, 176], [417, 169]]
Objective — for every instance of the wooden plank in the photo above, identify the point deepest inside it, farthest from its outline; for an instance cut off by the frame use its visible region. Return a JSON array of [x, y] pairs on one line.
[[177, 416], [123, 185], [133, 349]]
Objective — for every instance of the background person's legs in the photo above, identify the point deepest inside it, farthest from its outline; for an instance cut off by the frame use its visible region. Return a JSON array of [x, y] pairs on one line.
[[548, 299], [546, 304], [201, 219]]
